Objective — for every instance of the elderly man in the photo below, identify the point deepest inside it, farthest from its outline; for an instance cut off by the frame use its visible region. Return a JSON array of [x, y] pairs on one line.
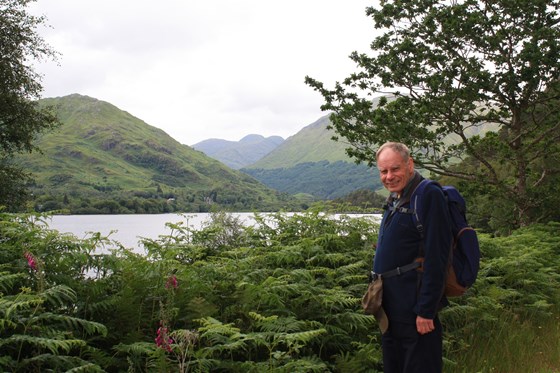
[[412, 296]]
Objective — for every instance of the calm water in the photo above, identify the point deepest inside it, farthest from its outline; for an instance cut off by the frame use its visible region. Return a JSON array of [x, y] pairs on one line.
[[130, 229]]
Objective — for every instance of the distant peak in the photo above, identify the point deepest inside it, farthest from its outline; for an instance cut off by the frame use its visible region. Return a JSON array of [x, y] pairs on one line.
[[259, 138], [77, 96], [252, 138]]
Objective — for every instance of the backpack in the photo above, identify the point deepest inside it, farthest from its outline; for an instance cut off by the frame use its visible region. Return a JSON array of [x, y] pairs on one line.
[[465, 253]]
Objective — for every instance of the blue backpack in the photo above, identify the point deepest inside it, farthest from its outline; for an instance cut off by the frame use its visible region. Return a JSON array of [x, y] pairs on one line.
[[465, 254]]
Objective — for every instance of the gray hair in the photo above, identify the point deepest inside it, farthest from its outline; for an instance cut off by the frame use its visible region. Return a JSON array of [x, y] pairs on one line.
[[398, 147]]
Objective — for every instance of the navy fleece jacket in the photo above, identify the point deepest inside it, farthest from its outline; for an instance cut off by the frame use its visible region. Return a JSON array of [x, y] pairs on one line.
[[399, 243]]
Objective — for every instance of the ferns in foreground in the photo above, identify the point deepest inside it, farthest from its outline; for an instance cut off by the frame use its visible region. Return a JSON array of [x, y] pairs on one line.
[[38, 334], [40, 324], [280, 296]]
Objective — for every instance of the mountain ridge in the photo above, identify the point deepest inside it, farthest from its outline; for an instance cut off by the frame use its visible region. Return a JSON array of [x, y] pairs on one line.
[[311, 162], [313, 143], [104, 160], [238, 154]]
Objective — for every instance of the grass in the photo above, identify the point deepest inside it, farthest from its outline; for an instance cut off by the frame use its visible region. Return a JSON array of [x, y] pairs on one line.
[[514, 347]]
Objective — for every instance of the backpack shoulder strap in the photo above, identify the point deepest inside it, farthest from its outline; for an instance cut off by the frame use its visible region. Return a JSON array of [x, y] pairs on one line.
[[416, 203]]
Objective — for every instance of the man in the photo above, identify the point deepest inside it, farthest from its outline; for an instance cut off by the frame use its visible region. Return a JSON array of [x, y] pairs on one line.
[[412, 296]]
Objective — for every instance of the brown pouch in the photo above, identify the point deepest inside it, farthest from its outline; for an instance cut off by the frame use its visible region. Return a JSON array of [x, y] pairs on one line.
[[371, 303]]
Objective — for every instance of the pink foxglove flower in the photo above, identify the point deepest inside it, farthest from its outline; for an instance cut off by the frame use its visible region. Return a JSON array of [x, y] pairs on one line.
[[163, 340], [172, 282], [30, 260]]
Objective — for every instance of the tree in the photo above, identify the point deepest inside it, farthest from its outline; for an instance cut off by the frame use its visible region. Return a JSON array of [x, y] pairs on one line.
[[468, 79], [21, 119]]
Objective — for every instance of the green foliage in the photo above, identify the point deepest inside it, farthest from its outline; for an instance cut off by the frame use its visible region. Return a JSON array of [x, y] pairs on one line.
[[323, 179], [20, 118], [13, 186], [494, 210], [518, 289], [458, 70], [282, 295], [39, 333], [364, 199]]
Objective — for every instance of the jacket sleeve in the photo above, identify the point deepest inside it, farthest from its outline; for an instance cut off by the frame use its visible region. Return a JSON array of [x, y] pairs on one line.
[[437, 248]]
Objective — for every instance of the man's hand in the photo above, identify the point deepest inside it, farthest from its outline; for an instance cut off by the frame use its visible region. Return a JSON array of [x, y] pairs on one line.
[[424, 326]]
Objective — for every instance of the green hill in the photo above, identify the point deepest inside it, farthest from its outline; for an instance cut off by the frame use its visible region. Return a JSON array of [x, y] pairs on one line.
[[322, 180], [103, 159], [311, 162], [312, 144]]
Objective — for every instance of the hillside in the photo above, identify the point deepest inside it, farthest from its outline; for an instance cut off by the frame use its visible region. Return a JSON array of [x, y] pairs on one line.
[[103, 159], [322, 180], [238, 154], [312, 144], [311, 163]]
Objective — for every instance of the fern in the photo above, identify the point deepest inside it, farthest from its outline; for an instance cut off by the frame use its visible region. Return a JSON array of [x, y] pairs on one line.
[[217, 332], [287, 257], [103, 306], [66, 363], [55, 346], [23, 302], [138, 348], [331, 260], [280, 297], [303, 337], [354, 321], [365, 358], [86, 368], [74, 323], [7, 324], [336, 299], [262, 318], [59, 295], [7, 280], [277, 324], [305, 365]]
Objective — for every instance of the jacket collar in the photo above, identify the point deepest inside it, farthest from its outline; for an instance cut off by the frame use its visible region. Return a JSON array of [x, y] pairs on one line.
[[394, 200]]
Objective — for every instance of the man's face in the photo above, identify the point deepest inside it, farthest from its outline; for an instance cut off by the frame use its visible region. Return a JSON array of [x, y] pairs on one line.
[[394, 171]]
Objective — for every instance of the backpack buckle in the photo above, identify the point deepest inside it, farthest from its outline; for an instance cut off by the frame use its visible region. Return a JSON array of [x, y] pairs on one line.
[[373, 276]]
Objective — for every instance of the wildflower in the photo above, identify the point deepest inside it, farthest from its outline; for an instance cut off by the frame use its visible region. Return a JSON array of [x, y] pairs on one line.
[[172, 282], [162, 339], [30, 260]]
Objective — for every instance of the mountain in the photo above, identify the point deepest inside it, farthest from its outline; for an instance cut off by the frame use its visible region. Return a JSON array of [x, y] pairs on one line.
[[104, 160], [321, 180], [312, 163], [313, 143], [238, 154]]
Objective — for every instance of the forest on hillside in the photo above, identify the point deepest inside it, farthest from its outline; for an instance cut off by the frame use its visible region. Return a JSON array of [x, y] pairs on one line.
[[324, 180]]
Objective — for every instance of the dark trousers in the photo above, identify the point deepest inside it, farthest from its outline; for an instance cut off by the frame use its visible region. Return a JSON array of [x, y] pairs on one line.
[[406, 351]]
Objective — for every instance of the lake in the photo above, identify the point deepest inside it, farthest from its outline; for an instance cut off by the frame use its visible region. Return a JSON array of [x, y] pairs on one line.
[[130, 229]]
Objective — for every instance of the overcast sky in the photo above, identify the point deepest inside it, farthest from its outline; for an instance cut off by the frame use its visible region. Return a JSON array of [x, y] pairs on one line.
[[206, 68]]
